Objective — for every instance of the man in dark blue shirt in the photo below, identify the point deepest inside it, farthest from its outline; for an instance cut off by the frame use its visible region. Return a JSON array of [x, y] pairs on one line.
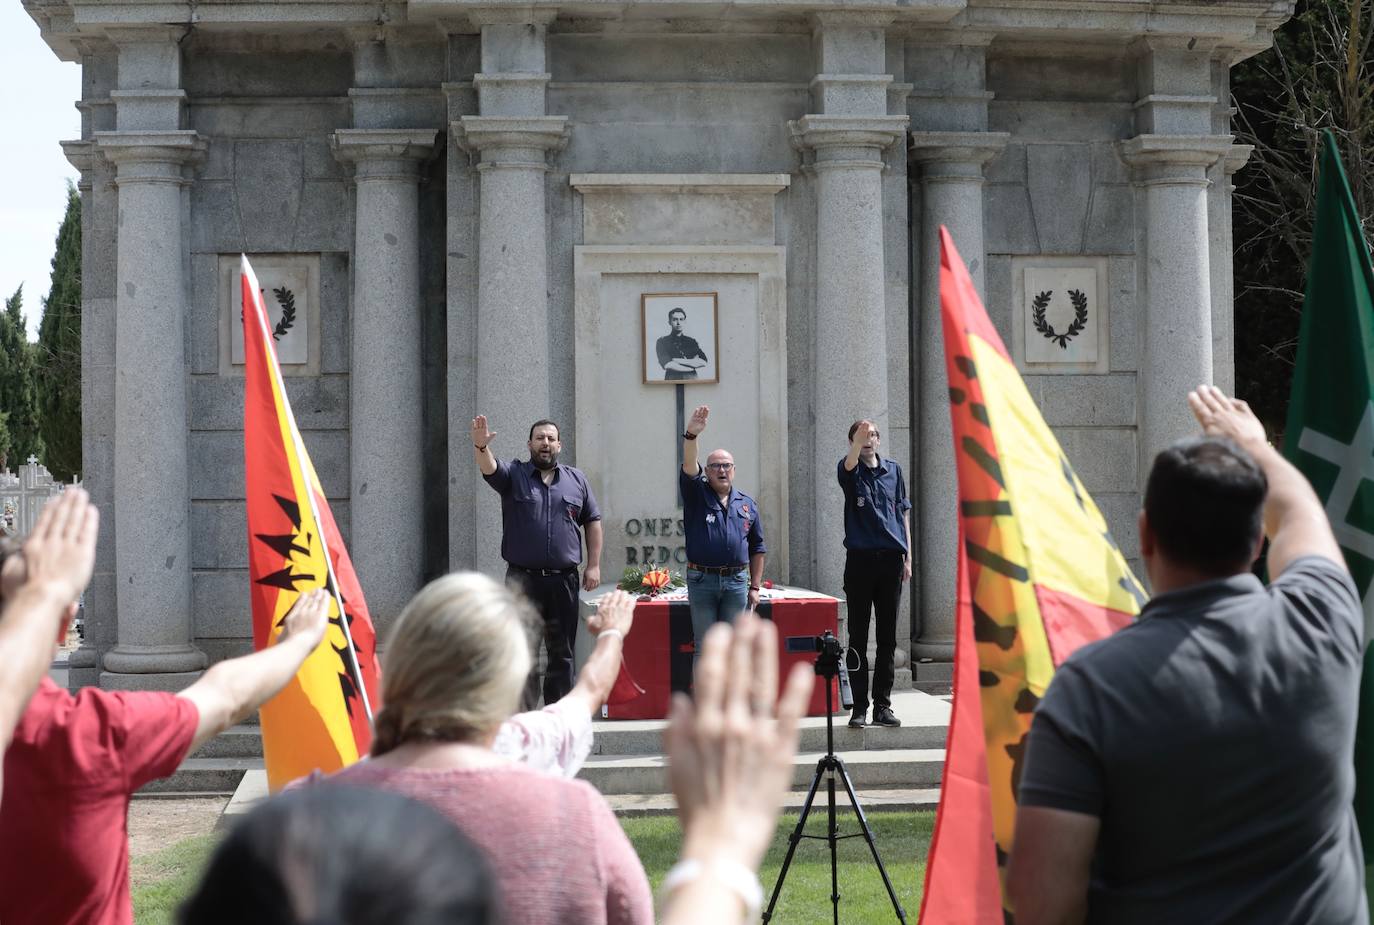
[[545, 507], [724, 537], [877, 542]]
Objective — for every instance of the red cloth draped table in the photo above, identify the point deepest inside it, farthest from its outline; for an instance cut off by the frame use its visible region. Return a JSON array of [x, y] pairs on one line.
[[658, 651]]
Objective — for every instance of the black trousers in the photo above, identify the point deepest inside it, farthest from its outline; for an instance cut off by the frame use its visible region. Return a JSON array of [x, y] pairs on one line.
[[555, 597], [873, 583]]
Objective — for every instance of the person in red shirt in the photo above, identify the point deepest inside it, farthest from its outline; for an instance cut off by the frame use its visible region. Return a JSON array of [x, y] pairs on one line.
[[58, 555], [75, 761]]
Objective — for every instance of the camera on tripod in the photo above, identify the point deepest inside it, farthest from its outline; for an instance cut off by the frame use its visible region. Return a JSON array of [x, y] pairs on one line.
[[830, 660]]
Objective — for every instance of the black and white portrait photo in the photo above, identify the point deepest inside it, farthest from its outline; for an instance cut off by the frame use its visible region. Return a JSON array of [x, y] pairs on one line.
[[680, 342]]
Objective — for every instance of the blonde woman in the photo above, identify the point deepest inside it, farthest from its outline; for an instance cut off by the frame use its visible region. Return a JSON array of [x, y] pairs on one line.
[[455, 665]]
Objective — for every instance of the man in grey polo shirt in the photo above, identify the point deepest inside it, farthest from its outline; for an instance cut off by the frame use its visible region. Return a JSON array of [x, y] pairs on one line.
[[545, 508], [1196, 767]]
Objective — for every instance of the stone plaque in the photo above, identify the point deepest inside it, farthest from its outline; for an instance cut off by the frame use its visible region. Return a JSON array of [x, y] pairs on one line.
[[1060, 322], [290, 288]]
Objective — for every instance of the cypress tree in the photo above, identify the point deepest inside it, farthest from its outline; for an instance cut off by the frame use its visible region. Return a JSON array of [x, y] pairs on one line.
[[59, 350], [18, 395]]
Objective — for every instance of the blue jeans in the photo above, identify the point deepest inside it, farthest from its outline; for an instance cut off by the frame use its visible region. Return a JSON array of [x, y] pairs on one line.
[[715, 597]]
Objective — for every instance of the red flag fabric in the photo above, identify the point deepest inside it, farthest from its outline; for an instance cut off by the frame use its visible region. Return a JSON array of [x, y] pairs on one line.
[[322, 719], [1039, 576]]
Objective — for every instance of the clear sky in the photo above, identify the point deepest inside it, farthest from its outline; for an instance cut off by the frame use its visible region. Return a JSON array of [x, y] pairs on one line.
[[37, 93]]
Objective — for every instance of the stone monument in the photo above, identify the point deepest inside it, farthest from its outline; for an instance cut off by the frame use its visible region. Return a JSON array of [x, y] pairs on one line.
[[462, 205]]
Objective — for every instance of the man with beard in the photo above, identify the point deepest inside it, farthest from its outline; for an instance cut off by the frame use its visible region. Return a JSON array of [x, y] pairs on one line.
[[545, 507]]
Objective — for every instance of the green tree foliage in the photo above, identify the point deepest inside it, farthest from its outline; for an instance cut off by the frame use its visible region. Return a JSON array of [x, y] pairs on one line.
[[59, 350], [1318, 75], [18, 393]]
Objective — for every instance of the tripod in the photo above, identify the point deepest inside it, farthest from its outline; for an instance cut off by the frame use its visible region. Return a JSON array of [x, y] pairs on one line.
[[827, 666]]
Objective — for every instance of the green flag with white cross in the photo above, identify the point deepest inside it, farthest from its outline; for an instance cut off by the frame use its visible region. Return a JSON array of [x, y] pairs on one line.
[[1330, 434]]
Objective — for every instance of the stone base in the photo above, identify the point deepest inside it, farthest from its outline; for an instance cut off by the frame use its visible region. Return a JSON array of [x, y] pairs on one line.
[[933, 651], [169, 681], [933, 677], [172, 659]]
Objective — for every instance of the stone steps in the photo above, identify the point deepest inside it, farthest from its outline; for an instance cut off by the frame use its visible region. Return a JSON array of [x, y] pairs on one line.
[[235, 742], [205, 776], [887, 768], [906, 800]]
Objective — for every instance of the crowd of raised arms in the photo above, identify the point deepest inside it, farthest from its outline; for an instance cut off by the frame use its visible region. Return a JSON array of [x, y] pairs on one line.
[[467, 808]]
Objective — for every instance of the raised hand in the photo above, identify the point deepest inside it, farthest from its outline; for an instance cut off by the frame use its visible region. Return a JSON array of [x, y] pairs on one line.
[[698, 422], [615, 611], [59, 553], [1225, 417], [729, 760], [481, 436], [861, 433], [307, 619]]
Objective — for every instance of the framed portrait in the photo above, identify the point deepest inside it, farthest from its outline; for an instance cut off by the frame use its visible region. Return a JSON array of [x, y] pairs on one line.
[[681, 343]]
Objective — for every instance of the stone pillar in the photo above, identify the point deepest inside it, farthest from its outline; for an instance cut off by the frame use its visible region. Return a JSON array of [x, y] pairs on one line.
[[850, 375], [98, 208], [511, 138], [844, 142], [1174, 275], [951, 168], [151, 495], [386, 441]]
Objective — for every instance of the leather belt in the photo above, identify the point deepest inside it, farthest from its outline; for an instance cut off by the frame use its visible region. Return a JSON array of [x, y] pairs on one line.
[[544, 572], [718, 569]]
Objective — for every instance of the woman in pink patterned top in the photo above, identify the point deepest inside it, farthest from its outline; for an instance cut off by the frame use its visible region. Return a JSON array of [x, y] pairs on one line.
[[454, 668]]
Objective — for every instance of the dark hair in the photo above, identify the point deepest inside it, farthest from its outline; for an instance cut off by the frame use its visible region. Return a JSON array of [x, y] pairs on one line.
[[855, 426], [677, 310], [542, 423], [333, 855], [1205, 504]]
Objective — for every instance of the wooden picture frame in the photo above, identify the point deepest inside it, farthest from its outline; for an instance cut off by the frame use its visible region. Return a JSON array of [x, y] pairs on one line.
[[697, 333]]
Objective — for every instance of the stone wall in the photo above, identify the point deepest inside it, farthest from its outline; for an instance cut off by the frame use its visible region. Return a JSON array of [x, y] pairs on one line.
[[1061, 189]]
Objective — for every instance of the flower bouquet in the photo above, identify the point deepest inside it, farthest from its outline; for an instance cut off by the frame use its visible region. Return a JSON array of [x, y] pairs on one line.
[[649, 583]]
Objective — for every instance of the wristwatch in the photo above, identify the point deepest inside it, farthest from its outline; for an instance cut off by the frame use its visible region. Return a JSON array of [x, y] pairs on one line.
[[689, 436]]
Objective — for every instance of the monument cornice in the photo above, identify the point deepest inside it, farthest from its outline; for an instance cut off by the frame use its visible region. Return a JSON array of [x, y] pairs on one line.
[[1145, 152], [130, 148], [970, 149], [819, 131], [383, 154], [485, 133]]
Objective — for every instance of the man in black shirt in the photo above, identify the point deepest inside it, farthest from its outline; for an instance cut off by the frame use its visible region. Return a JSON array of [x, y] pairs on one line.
[[679, 355], [1196, 766]]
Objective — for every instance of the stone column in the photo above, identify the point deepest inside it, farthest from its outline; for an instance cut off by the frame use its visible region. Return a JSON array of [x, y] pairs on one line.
[[98, 210], [951, 168], [1175, 277], [386, 441], [850, 374], [511, 139], [152, 530]]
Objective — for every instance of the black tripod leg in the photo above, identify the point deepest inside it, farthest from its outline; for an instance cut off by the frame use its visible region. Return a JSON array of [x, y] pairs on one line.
[[868, 837], [795, 839], [833, 835]]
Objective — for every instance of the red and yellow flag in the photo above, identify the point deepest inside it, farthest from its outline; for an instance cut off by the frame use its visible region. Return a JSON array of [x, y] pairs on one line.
[[1039, 576], [322, 719]]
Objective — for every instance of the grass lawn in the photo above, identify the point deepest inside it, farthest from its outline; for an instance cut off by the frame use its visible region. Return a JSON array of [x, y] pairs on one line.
[[161, 880]]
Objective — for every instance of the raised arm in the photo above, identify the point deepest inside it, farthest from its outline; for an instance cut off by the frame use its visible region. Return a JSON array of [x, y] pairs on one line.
[[40, 590], [695, 427], [232, 689], [481, 442], [1294, 519], [610, 625]]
